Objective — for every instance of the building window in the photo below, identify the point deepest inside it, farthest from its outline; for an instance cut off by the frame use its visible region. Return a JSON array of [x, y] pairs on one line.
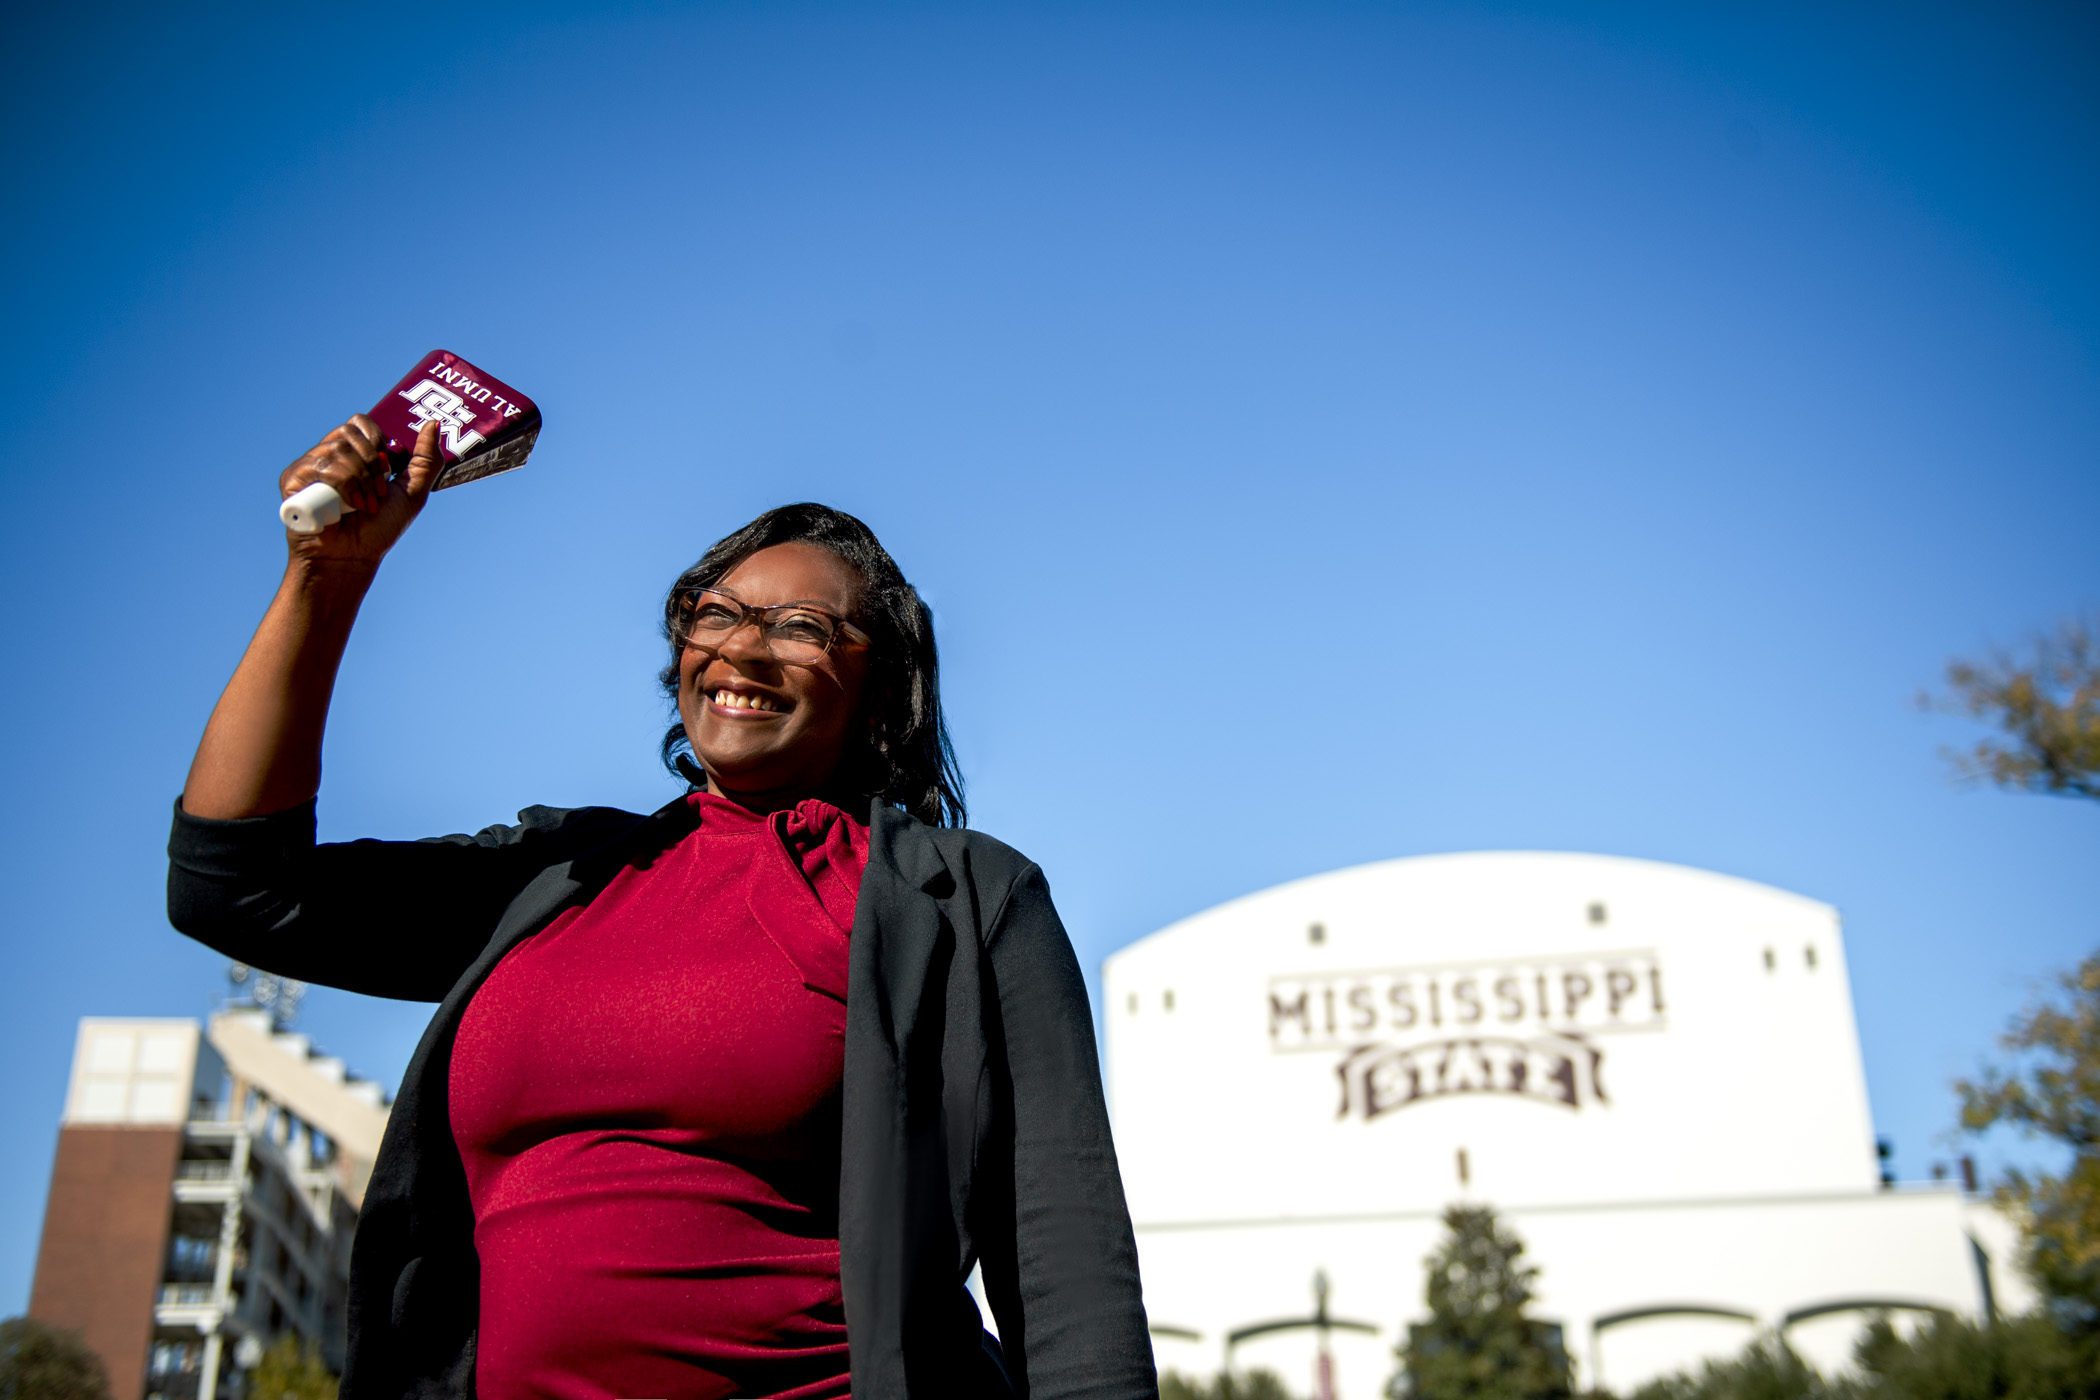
[[190, 1259], [173, 1358]]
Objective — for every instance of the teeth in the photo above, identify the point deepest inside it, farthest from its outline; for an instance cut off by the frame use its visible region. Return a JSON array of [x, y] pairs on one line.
[[734, 700]]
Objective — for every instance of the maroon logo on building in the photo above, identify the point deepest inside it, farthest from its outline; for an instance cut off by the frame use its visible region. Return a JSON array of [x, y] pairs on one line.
[[1555, 1069], [1524, 1028]]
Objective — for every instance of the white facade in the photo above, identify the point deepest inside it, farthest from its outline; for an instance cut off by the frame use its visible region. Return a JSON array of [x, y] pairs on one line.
[[141, 1070], [1652, 1072]]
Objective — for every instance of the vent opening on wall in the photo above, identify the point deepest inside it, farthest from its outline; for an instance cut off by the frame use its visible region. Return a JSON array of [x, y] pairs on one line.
[[1809, 953], [1598, 913], [1771, 962], [1133, 1003], [1316, 933], [1168, 999]]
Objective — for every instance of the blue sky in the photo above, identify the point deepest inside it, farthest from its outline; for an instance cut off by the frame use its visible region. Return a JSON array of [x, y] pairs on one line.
[[1325, 432]]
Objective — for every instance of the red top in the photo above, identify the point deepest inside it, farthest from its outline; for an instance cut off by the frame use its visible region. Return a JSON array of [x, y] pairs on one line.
[[646, 1099]]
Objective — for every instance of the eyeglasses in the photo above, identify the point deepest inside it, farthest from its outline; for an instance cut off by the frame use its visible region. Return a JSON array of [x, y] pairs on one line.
[[794, 634]]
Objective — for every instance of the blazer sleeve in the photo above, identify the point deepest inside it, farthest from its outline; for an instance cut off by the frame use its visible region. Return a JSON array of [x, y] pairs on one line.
[[398, 919], [1075, 1273]]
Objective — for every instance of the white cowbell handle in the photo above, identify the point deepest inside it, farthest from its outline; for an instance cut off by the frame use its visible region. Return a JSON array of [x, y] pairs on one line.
[[312, 509]]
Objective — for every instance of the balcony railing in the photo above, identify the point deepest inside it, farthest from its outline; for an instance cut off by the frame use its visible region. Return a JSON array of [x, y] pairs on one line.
[[180, 1295], [204, 1171]]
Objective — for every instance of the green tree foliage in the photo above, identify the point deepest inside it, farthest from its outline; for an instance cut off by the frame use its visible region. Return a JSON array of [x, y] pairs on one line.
[[2046, 707], [1767, 1369], [1257, 1384], [1479, 1342], [291, 1371], [42, 1362], [2053, 1091], [2026, 1358]]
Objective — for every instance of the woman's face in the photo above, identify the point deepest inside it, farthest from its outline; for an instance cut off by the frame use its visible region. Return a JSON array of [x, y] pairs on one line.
[[760, 727]]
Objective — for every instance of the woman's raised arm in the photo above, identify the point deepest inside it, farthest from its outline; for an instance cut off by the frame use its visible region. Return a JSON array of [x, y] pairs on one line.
[[261, 750]]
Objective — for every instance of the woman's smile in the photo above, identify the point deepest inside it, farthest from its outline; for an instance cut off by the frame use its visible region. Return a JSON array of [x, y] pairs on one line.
[[741, 703]]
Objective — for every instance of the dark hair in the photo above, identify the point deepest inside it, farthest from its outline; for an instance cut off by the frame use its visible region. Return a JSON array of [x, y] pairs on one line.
[[906, 758]]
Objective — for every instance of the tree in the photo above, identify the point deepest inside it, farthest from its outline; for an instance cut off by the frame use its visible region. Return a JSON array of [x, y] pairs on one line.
[[2046, 705], [1257, 1384], [1767, 1369], [1954, 1359], [291, 1371], [1479, 1342], [2053, 1091], [42, 1362]]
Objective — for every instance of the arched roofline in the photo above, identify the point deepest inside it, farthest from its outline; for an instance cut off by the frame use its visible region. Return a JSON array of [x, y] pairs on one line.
[[1668, 868], [1845, 1305], [1625, 1315], [1296, 1324]]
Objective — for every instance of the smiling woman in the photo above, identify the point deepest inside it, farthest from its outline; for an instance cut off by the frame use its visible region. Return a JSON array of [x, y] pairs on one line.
[[833, 566], [724, 1100]]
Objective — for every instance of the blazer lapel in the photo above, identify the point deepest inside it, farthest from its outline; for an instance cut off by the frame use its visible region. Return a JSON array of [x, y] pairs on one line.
[[897, 933]]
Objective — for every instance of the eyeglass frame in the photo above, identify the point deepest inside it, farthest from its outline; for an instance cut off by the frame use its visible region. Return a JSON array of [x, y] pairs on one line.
[[746, 614]]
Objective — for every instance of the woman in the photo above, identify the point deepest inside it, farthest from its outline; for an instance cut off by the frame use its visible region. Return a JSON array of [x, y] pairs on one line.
[[723, 1100]]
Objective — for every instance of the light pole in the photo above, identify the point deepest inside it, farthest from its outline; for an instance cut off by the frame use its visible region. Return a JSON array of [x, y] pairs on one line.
[[1322, 1324]]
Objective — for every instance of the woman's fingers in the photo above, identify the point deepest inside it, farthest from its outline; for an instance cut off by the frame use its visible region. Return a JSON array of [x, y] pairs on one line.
[[348, 470], [380, 502], [351, 459], [364, 434], [363, 437], [424, 463]]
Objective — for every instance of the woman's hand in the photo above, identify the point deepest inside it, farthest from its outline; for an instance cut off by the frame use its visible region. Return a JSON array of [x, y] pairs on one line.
[[380, 505], [261, 752]]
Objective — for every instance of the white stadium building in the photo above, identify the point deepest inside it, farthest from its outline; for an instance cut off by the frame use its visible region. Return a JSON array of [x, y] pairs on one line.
[[1652, 1072]]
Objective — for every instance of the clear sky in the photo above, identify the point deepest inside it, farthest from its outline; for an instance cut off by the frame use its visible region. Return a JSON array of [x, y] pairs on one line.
[[1325, 433]]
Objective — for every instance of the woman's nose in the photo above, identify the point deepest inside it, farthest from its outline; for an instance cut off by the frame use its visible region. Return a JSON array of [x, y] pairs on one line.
[[746, 641]]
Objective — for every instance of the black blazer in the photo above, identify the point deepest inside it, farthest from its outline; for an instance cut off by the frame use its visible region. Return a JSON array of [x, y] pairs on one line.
[[974, 1127]]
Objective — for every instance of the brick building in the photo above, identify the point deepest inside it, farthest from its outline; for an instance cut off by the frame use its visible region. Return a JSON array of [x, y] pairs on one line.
[[205, 1188]]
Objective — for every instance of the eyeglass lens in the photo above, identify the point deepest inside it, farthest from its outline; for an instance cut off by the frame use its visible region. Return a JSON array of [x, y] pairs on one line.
[[792, 634]]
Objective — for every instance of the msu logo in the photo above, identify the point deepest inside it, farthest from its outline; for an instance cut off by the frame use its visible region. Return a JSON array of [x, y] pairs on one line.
[[1559, 1069], [1529, 1029], [431, 401]]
